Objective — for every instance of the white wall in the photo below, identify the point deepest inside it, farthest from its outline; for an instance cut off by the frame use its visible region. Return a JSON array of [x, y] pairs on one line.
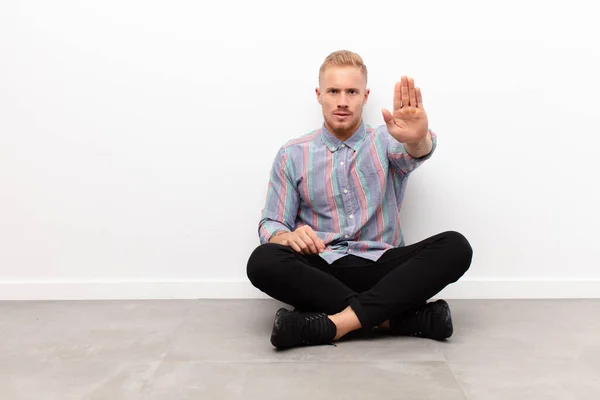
[[136, 137]]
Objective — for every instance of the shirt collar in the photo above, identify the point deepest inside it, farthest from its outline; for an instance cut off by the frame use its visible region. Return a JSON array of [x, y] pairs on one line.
[[353, 142]]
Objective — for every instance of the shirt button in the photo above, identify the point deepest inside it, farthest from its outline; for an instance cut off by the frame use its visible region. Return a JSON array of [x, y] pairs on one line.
[[349, 250], [351, 216], [341, 163], [346, 236], [343, 145], [345, 190]]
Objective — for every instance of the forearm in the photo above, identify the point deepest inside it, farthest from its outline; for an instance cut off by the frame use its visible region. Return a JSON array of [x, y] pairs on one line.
[[278, 237], [420, 149], [268, 228]]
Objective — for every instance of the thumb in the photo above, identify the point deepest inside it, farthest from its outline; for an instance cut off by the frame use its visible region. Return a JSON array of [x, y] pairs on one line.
[[387, 117]]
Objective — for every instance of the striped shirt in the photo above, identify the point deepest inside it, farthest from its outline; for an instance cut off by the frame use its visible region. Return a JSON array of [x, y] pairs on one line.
[[350, 193]]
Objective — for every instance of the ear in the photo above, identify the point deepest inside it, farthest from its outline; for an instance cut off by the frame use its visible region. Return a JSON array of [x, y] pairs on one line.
[[367, 92], [318, 93]]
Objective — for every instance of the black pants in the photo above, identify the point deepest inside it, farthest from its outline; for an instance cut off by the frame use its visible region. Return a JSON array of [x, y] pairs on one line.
[[403, 278]]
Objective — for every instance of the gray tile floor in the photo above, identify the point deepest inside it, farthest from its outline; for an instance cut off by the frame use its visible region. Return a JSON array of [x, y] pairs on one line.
[[219, 349]]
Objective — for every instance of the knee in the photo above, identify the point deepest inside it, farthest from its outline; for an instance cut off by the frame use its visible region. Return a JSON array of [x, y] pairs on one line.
[[260, 262], [460, 250]]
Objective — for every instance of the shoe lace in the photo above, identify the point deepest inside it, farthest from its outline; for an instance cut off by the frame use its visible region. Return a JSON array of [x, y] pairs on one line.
[[315, 330], [419, 323]]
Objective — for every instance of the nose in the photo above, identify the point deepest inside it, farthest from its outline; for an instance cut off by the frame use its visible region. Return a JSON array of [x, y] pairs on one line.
[[343, 100]]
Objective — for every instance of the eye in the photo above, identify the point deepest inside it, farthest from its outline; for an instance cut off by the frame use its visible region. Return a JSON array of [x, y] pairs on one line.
[[332, 90], [352, 91]]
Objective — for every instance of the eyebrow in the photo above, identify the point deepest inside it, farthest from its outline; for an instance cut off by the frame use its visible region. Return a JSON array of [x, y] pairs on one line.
[[330, 88]]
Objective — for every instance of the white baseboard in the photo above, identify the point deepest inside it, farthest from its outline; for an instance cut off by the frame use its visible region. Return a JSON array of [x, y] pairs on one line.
[[207, 289]]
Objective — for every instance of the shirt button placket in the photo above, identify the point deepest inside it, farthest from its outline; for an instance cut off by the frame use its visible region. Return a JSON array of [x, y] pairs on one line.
[[345, 197], [348, 206]]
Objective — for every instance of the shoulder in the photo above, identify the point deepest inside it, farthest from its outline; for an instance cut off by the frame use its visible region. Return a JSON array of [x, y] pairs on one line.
[[380, 131], [377, 133], [303, 140], [293, 149]]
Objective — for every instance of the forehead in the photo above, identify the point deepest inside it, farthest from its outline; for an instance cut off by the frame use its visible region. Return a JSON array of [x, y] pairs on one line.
[[342, 76]]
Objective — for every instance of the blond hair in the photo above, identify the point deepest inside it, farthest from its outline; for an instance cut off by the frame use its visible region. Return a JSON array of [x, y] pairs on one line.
[[343, 58]]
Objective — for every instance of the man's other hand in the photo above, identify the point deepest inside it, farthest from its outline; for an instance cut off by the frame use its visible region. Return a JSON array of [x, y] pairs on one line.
[[303, 240]]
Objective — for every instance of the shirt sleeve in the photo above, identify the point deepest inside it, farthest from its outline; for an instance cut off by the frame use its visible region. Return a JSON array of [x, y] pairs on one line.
[[281, 205], [400, 160]]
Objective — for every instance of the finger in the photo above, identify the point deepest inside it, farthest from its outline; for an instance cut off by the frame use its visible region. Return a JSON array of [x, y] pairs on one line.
[[397, 96], [309, 242], [303, 247], [294, 246], [412, 98], [316, 240], [404, 89], [387, 117], [419, 98]]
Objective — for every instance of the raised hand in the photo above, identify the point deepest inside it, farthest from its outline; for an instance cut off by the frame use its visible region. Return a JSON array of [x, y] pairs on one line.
[[408, 122]]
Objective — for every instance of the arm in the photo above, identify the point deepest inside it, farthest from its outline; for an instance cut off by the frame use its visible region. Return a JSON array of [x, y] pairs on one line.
[[281, 206], [405, 158], [420, 149]]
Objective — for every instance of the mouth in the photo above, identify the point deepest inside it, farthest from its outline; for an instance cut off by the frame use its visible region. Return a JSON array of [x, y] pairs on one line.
[[342, 115]]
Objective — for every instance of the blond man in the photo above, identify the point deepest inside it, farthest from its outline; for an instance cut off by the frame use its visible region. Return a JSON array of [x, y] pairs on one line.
[[331, 244]]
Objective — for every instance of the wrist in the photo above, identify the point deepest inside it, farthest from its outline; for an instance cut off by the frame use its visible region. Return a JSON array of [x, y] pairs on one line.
[[278, 235], [420, 148], [420, 143]]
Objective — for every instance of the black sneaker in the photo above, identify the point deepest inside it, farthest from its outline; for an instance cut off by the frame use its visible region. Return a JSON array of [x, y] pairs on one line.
[[432, 321], [292, 328]]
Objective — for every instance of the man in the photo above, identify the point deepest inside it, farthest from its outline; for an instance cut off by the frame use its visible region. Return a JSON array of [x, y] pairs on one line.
[[331, 242]]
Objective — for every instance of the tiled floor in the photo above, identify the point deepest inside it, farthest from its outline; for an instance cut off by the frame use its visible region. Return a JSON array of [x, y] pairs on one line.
[[220, 349]]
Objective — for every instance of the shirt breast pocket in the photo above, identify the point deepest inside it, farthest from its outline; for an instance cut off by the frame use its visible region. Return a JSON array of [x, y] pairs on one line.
[[371, 178]]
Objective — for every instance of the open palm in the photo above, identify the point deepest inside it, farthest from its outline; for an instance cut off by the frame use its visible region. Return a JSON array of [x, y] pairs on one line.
[[408, 122]]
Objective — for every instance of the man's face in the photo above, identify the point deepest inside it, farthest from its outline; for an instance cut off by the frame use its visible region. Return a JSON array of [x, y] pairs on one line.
[[342, 93]]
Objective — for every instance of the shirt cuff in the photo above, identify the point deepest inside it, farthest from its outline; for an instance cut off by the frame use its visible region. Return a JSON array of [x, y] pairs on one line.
[[269, 228]]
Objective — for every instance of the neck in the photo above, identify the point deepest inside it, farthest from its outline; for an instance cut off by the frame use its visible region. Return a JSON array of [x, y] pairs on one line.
[[343, 135]]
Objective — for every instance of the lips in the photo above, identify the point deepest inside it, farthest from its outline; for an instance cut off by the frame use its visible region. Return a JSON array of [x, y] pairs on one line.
[[341, 114]]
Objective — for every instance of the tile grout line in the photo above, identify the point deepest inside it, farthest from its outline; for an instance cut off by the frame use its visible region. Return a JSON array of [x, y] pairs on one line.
[[464, 392], [454, 375], [175, 331]]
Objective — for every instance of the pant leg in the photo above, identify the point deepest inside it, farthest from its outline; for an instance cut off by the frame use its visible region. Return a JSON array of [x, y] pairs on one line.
[[300, 281], [406, 277]]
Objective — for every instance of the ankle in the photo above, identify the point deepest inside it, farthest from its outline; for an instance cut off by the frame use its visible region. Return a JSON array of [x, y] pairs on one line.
[[340, 329], [385, 325], [345, 322]]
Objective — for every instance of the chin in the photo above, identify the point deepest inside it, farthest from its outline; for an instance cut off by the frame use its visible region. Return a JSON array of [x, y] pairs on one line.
[[344, 128]]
